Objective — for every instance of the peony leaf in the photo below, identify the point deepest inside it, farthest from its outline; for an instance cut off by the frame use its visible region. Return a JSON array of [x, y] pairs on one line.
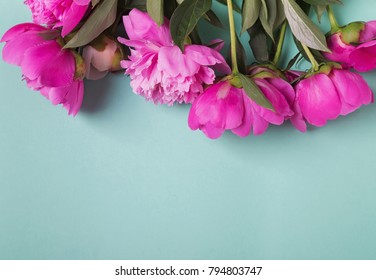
[[303, 27], [322, 2], [250, 13], [258, 42], [95, 2], [103, 16], [186, 17], [155, 10], [254, 92]]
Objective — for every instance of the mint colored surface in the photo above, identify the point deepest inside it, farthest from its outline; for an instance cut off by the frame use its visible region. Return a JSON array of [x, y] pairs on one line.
[[126, 179]]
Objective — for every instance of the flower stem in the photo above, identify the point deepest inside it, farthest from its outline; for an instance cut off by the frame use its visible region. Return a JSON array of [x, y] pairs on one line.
[[315, 64], [281, 40], [233, 37], [332, 18]]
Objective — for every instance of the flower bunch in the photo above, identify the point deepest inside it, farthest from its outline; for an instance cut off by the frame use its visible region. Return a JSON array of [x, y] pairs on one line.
[[158, 45]]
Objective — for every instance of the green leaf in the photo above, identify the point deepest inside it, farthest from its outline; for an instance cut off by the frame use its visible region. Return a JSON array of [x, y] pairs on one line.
[[186, 17], [95, 2], [241, 56], [322, 2], [136, 4], [319, 9], [258, 42], [155, 10], [103, 16], [254, 92], [303, 27], [268, 15], [213, 19], [280, 18], [250, 13]]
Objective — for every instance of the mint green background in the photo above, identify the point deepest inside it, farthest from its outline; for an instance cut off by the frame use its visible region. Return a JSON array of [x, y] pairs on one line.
[[126, 179]]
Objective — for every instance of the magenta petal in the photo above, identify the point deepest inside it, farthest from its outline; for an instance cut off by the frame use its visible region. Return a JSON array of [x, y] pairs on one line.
[[140, 26], [284, 88], [281, 107], [233, 108], [340, 50], [70, 96], [369, 32], [50, 64], [206, 56], [14, 50], [318, 99], [20, 29], [82, 2], [174, 62], [364, 57], [72, 17], [212, 131], [353, 90], [260, 125], [244, 129], [209, 107], [297, 119]]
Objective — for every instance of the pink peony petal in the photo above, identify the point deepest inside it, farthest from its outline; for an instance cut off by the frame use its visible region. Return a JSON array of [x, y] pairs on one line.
[[14, 50], [318, 99], [244, 129], [140, 26], [174, 62], [281, 107], [364, 57], [70, 96], [82, 2], [369, 32], [206, 56], [297, 119], [73, 16], [353, 90], [283, 87], [20, 29], [49, 64], [340, 50]]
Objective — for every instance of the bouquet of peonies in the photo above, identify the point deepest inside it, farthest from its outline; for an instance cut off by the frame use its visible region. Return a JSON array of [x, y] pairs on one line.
[[168, 62]]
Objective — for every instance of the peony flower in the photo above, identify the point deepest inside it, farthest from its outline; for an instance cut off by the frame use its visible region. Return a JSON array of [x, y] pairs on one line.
[[58, 13], [354, 46], [45, 65], [101, 56], [327, 94], [158, 69], [223, 106]]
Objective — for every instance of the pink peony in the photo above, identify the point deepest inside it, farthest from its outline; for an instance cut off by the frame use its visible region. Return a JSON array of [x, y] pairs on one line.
[[324, 96], [158, 69], [101, 56], [45, 65], [58, 13], [354, 46], [225, 107]]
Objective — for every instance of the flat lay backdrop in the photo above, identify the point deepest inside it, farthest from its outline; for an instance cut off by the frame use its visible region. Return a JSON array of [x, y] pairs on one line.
[[126, 179]]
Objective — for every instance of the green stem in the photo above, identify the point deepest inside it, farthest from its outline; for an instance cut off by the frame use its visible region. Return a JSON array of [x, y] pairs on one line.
[[281, 40], [332, 18], [315, 64], [232, 36]]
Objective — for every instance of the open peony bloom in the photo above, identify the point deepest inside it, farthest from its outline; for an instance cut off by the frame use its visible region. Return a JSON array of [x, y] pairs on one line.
[[354, 46], [58, 13], [158, 69], [327, 94], [225, 107], [101, 56], [45, 65]]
